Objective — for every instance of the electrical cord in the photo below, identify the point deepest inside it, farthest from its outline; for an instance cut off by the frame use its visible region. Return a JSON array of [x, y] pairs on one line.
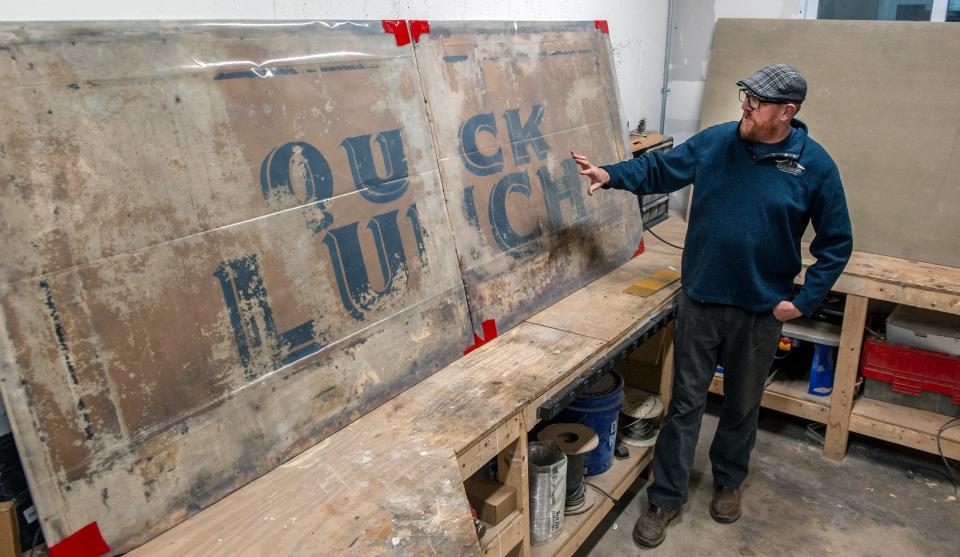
[[948, 475], [657, 236], [813, 433], [577, 497], [641, 429], [602, 491], [36, 537], [951, 423]]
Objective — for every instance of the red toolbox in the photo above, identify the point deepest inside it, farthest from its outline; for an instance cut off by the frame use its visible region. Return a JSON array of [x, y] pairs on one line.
[[911, 371]]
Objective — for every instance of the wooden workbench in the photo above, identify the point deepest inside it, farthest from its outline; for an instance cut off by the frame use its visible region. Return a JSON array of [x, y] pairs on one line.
[[876, 277], [649, 140], [391, 481], [872, 277]]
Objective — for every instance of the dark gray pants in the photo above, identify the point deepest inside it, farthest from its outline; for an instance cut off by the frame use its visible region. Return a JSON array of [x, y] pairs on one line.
[[746, 342]]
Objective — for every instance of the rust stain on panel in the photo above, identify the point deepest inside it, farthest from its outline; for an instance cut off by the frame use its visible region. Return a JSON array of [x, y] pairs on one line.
[[243, 247]]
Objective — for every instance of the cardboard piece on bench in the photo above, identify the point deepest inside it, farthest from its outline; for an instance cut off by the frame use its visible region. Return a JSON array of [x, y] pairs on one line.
[[223, 242], [508, 101]]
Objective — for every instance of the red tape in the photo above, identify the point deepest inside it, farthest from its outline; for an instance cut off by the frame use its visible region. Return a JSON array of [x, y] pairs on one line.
[[398, 28], [419, 27], [601, 24], [85, 542], [489, 333], [639, 249]]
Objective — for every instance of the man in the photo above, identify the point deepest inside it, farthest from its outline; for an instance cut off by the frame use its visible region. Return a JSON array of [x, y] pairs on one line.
[[759, 182]]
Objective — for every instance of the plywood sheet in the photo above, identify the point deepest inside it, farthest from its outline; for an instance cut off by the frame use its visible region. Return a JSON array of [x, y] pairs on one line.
[[604, 310], [388, 483], [508, 101], [222, 242], [882, 101], [359, 492]]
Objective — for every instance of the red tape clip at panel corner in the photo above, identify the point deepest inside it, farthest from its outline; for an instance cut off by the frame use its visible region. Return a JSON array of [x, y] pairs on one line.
[[398, 28], [489, 333], [419, 27], [639, 249], [601, 24], [85, 542]]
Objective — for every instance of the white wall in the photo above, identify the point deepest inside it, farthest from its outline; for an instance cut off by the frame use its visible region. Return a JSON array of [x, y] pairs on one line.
[[637, 27], [693, 22], [690, 44]]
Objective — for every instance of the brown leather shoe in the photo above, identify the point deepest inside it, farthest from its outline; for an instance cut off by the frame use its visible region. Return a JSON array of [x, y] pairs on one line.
[[725, 507], [650, 529]]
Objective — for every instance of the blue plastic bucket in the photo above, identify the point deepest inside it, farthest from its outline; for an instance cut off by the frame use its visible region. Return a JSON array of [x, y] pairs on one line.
[[598, 408]]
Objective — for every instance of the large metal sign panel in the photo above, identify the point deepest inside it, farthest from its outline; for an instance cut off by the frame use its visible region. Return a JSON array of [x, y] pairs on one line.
[[222, 242], [508, 101]]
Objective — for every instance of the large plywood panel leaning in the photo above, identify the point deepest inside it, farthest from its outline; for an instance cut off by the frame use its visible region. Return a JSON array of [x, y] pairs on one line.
[[222, 243], [882, 100], [508, 101]]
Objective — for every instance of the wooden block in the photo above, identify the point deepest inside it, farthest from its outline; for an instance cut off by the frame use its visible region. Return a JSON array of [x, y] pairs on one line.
[[492, 500], [9, 531]]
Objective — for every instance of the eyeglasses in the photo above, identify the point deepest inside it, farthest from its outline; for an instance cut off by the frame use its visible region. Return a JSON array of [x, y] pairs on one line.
[[753, 102]]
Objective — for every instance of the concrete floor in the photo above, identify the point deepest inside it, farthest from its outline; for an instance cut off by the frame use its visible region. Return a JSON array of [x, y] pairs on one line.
[[797, 503]]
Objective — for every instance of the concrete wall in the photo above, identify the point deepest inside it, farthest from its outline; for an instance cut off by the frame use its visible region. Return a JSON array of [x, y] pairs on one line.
[[637, 27]]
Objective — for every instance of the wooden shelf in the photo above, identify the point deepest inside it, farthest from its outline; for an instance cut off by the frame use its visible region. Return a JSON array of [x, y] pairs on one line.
[[904, 425], [500, 539], [788, 396], [647, 141], [812, 331], [615, 481]]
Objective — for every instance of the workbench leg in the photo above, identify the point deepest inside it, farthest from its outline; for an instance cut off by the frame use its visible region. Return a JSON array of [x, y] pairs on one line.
[[666, 370], [666, 386], [512, 471], [845, 377]]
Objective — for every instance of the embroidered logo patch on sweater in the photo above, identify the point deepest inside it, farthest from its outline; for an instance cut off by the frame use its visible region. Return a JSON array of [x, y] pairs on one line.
[[790, 167]]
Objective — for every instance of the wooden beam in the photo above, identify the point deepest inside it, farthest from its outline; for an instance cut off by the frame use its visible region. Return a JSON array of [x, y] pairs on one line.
[[845, 377], [490, 446], [910, 427], [666, 370], [512, 471]]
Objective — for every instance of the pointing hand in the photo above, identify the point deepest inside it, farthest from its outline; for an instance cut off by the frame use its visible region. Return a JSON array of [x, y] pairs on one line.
[[598, 176]]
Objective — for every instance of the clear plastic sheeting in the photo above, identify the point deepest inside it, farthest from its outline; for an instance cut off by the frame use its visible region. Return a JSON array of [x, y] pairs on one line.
[[223, 242], [508, 102]]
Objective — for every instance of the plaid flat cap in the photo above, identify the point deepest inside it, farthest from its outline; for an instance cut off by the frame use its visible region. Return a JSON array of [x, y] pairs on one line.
[[776, 83]]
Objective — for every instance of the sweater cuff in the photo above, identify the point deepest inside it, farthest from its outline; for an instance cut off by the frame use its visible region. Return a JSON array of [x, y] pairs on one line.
[[805, 305], [614, 173]]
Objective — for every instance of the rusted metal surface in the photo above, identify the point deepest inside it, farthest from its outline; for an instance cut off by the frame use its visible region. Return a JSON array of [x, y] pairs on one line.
[[508, 101], [223, 242]]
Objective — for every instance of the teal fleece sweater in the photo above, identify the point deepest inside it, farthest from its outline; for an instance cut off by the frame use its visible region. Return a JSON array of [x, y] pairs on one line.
[[751, 205]]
